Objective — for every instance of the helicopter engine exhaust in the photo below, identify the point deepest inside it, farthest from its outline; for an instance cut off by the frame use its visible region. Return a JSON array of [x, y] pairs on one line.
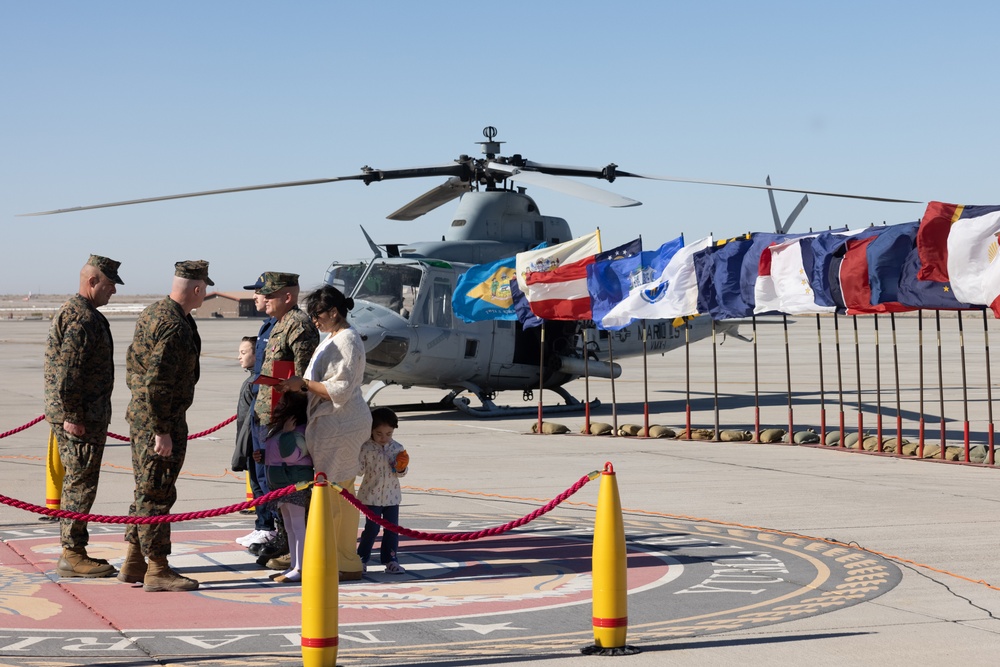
[[596, 369]]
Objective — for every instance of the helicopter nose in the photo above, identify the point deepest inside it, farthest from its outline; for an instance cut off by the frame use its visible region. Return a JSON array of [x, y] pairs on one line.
[[385, 334]]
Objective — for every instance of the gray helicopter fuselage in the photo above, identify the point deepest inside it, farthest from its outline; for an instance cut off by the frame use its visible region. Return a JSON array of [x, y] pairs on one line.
[[403, 309], [489, 226]]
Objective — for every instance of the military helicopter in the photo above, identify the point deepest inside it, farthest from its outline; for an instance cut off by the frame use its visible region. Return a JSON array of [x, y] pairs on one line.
[[403, 294]]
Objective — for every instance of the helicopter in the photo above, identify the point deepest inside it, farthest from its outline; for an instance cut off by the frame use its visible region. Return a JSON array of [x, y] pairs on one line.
[[403, 294]]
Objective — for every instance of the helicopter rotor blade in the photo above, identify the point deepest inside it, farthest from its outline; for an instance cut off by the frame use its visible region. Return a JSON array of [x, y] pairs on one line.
[[774, 207], [368, 176], [823, 193], [551, 182], [452, 188]]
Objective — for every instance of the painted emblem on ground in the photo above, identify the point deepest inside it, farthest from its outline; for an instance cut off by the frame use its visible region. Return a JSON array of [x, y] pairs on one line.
[[522, 593]]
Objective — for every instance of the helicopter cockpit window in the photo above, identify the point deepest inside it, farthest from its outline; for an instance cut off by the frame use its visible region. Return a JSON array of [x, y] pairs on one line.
[[437, 307], [345, 276], [393, 286]]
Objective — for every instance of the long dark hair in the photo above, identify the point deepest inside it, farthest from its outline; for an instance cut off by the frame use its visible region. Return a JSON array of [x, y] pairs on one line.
[[293, 405], [325, 299]]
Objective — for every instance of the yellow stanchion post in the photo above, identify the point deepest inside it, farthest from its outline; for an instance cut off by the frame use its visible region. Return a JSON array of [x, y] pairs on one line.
[[320, 580], [54, 474], [250, 510], [610, 573]]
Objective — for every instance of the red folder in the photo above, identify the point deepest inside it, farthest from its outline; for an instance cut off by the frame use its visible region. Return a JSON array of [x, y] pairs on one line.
[[281, 370]]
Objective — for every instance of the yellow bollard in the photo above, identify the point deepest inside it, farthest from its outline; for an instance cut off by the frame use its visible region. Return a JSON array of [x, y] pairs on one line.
[[320, 580], [610, 573], [249, 510], [54, 474]]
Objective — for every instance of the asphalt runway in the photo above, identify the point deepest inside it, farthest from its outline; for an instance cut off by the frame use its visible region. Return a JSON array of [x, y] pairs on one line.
[[738, 553]]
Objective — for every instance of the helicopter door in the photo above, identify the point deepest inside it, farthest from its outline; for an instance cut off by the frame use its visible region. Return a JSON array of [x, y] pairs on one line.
[[443, 351]]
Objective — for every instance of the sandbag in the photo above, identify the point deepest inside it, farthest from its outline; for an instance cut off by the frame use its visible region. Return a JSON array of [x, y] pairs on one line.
[[734, 435], [805, 438], [657, 431], [630, 429], [550, 428], [597, 428], [772, 435]]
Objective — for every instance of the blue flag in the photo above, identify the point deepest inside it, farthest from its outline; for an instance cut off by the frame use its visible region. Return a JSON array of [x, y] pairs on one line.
[[652, 264], [483, 292], [718, 271], [886, 255], [611, 275], [929, 294]]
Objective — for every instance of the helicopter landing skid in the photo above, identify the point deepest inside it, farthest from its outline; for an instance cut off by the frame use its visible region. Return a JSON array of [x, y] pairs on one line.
[[490, 409]]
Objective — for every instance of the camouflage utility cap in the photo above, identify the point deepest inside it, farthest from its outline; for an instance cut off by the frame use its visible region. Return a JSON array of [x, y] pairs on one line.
[[108, 267], [193, 269], [257, 285], [275, 281]]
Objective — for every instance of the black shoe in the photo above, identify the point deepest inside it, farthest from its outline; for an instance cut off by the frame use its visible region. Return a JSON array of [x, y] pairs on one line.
[[264, 559], [273, 547]]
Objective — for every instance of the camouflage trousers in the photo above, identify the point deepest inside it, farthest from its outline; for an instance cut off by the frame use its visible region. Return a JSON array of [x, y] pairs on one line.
[[81, 458], [155, 489]]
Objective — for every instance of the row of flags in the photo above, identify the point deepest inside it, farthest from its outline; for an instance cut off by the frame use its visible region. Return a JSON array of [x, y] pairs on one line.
[[949, 259]]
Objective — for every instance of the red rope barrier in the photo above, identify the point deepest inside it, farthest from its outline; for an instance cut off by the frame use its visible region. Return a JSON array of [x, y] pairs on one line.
[[21, 428], [159, 518], [123, 438], [279, 493], [474, 535]]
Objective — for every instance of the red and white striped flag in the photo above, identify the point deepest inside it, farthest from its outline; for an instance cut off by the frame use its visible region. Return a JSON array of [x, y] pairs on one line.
[[554, 279]]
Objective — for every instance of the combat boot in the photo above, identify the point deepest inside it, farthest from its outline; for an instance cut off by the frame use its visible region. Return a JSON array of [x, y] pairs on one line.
[[76, 563], [134, 568], [159, 577]]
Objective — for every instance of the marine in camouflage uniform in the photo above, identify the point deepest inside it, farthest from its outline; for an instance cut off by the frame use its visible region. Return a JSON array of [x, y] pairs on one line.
[[161, 368], [79, 378], [294, 337]]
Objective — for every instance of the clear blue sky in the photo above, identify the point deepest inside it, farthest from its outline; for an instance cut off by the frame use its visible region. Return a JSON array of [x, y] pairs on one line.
[[105, 101]]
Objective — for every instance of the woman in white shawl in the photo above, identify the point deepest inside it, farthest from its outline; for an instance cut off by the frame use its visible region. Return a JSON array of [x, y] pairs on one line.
[[339, 419]]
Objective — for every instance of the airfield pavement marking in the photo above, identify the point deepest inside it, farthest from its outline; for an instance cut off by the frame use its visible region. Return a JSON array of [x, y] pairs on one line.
[[521, 594]]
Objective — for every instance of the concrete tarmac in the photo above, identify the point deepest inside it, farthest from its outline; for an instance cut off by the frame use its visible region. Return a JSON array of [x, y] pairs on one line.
[[739, 553]]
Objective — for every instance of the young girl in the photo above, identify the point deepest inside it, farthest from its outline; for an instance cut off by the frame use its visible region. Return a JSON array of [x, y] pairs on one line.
[[288, 463], [383, 462]]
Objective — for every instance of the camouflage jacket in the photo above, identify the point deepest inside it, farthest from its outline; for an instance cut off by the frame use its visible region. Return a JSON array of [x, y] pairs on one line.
[[294, 338], [79, 366], [162, 367]]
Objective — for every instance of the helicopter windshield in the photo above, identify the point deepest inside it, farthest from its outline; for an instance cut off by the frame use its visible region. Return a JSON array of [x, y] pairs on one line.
[[387, 284]]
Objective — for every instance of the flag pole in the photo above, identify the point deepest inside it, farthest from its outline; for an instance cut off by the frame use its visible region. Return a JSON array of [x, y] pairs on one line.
[[944, 433], [687, 381], [899, 409], [989, 390], [756, 384], [878, 390], [715, 380], [586, 385], [788, 378], [822, 393], [541, 374], [965, 389], [645, 385], [840, 374], [857, 364], [920, 347], [614, 396]]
